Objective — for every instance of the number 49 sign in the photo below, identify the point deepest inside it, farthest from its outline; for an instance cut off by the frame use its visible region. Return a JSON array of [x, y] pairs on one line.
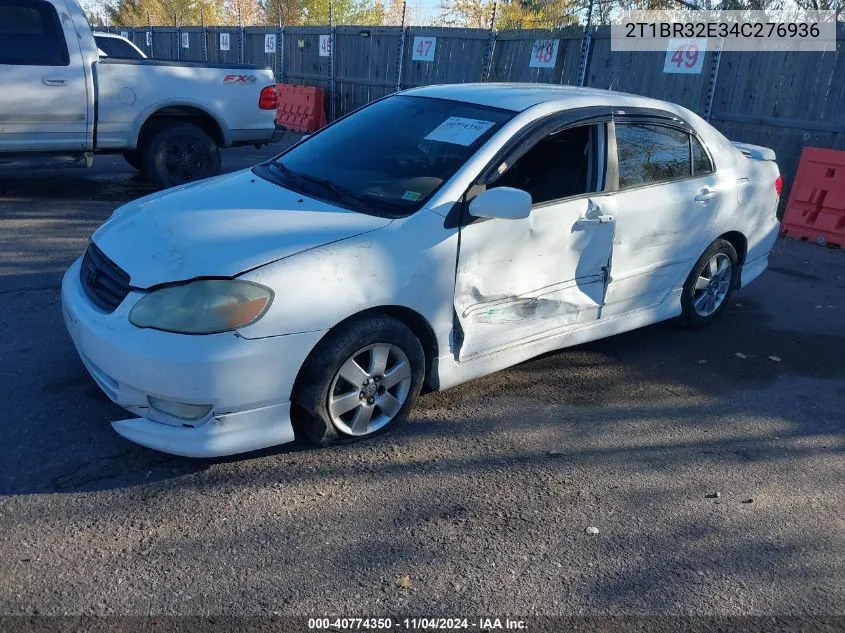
[[685, 56]]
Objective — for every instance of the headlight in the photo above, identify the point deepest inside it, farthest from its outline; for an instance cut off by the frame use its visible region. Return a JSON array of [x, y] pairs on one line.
[[206, 306]]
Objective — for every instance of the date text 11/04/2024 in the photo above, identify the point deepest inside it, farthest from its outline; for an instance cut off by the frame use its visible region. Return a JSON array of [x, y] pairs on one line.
[[417, 624]]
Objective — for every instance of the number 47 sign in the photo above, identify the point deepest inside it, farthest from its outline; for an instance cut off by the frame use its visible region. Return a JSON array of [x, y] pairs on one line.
[[685, 56], [423, 50]]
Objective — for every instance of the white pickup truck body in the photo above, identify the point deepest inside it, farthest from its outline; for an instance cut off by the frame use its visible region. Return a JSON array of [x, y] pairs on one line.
[[61, 101]]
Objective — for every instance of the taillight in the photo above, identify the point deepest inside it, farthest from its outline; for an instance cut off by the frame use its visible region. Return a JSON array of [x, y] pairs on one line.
[[269, 98], [779, 184]]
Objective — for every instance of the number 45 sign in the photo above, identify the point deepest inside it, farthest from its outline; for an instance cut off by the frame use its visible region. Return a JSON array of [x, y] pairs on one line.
[[685, 56]]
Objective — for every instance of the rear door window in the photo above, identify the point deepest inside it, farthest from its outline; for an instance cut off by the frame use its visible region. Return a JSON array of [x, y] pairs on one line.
[[650, 154], [701, 164], [31, 35]]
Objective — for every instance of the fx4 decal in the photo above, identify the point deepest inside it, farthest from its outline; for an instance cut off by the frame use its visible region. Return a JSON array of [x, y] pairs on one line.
[[239, 79]]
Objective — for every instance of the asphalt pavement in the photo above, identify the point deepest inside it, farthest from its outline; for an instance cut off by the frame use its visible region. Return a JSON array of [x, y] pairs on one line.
[[480, 504]]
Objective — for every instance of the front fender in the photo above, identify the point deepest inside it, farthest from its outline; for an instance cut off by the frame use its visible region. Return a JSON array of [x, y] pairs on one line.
[[409, 263]]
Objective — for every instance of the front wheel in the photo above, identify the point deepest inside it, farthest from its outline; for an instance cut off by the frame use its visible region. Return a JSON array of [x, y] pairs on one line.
[[360, 381], [180, 153], [709, 286]]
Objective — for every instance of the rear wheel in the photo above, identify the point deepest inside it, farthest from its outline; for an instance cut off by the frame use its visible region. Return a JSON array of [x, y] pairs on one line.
[[134, 159], [360, 381], [710, 284], [180, 153]]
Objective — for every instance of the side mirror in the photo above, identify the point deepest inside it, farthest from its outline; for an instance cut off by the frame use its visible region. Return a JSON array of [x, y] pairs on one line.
[[505, 203]]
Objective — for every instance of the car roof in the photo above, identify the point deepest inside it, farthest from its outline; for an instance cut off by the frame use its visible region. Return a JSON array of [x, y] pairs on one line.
[[521, 96], [104, 34]]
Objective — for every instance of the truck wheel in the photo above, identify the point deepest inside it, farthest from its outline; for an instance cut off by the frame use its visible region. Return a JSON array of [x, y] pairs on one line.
[[180, 153], [134, 160]]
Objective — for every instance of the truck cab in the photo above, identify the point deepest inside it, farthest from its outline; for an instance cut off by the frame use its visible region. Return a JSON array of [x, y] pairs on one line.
[[61, 102]]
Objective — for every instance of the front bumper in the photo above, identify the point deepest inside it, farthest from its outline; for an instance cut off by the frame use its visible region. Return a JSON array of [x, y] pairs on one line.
[[247, 382]]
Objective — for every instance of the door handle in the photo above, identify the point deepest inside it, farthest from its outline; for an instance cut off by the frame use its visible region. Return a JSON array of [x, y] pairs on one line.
[[594, 215], [53, 81], [706, 194], [599, 219]]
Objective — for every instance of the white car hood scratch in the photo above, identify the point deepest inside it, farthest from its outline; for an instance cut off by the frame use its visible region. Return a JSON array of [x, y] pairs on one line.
[[220, 228]]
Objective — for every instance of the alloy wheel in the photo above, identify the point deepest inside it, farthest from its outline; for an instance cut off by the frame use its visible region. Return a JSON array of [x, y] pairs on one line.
[[369, 389], [712, 285]]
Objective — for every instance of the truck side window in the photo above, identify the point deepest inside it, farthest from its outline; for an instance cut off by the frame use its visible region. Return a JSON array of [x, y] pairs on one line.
[[31, 34]]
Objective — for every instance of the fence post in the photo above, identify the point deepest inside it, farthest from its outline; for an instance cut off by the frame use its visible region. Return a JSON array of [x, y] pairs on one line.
[[331, 63], [401, 54], [204, 36], [178, 38], [150, 31], [241, 42], [491, 44], [714, 76], [280, 50], [586, 48]]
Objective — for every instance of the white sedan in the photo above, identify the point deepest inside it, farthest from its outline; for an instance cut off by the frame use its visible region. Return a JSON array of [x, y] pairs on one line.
[[432, 237]]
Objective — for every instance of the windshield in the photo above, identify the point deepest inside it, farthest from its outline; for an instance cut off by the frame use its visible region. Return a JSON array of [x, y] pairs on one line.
[[388, 158]]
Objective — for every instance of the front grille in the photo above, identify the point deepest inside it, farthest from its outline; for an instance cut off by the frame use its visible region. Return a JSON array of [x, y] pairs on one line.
[[105, 283]]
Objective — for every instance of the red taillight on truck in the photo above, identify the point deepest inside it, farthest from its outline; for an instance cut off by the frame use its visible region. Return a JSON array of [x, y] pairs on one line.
[[269, 98], [779, 184]]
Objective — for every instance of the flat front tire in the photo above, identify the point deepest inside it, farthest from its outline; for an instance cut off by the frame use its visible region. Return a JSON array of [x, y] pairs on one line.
[[360, 381], [708, 288], [180, 153]]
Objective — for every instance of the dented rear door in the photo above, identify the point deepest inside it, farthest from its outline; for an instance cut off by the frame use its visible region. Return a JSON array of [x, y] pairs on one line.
[[518, 280]]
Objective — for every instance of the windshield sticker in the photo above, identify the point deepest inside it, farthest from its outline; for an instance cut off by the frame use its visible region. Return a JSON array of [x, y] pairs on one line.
[[413, 196], [459, 131]]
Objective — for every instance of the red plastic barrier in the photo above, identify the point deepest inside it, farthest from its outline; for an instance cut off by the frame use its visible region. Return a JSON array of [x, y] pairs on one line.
[[816, 207], [300, 108]]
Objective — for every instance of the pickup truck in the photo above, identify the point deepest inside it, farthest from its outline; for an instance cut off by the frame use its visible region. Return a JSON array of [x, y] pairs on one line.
[[61, 103]]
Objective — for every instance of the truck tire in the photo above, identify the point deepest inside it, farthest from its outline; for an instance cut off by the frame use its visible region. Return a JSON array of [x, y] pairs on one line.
[[134, 160], [180, 153]]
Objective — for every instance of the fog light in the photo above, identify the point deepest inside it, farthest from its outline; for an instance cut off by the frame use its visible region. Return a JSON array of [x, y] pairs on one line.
[[179, 409]]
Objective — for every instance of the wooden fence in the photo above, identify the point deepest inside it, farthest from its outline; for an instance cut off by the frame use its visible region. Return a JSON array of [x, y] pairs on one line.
[[783, 100]]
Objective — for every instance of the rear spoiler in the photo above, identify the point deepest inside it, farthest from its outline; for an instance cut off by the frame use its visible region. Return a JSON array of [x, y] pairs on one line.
[[755, 151]]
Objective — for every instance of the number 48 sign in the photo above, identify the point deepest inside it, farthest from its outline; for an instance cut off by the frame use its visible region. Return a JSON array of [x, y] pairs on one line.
[[544, 54], [685, 56]]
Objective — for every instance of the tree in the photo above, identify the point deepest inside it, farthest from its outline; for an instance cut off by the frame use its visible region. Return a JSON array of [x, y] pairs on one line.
[[513, 14], [161, 12], [393, 13], [249, 12], [471, 14], [532, 14], [284, 11]]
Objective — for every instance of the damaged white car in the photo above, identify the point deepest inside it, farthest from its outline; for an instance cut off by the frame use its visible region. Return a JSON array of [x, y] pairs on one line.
[[435, 236]]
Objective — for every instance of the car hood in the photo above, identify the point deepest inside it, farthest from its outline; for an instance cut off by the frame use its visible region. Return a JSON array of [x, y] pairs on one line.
[[220, 228]]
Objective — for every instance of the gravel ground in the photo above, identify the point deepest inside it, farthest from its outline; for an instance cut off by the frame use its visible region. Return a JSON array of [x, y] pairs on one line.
[[479, 505]]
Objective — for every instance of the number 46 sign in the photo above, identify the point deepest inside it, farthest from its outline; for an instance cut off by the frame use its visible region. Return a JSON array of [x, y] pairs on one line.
[[685, 56]]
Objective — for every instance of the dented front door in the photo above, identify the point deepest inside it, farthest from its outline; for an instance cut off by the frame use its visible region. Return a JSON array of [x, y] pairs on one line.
[[518, 280]]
